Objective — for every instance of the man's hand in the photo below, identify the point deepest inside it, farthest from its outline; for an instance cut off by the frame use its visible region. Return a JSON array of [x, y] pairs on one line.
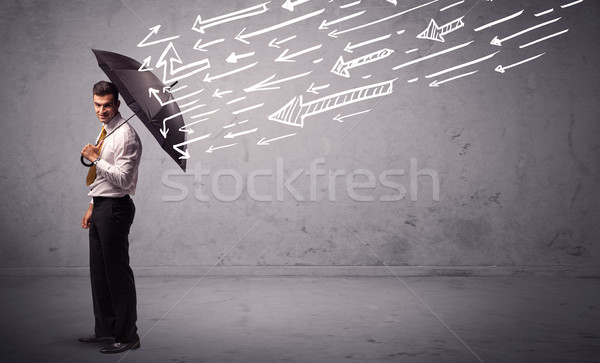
[[92, 152], [85, 221]]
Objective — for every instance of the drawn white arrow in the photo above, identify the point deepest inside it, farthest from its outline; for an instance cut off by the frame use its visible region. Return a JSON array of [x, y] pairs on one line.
[[488, 25], [155, 92], [436, 32], [164, 130], [213, 148], [313, 89], [284, 57], [275, 44], [544, 38], [571, 4], [187, 128], [219, 94], [233, 58], [154, 31], [437, 83], [335, 33], [242, 37], [289, 4], [503, 69], [185, 154], [263, 142], [462, 65], [168, 89], [341, 118], [432, 55], [236, 100], [342, 68], [231, 135], [201, 25], [200, 47], [452, 5], [146, 65], [169, 66], [248, 108], [350, 48], [295, 111], [325, 24], [267, 84], [497, 41], [208, 78]]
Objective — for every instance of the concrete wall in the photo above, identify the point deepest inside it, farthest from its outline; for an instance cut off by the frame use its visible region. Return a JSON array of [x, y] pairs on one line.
[[516, 154]]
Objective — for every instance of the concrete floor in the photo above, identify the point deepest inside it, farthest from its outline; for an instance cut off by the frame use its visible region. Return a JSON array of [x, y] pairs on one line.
[[314, 319]]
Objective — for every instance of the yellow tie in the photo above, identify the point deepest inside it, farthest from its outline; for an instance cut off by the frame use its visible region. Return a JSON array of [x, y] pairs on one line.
[[92, 172]]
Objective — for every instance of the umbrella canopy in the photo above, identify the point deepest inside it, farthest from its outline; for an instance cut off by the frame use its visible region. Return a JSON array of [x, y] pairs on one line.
[[162, 118]]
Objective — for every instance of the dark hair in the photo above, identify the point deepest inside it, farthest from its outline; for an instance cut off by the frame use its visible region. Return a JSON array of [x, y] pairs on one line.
[[104, 88]]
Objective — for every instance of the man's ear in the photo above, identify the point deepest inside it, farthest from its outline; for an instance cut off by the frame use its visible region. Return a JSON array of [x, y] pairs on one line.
[[118, 103]]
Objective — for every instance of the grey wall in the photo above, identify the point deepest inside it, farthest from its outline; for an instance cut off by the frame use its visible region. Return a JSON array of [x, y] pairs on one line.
[[516, 153]]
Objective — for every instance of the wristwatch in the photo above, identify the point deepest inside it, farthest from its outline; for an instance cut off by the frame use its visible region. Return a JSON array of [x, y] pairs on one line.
[[96, 161]]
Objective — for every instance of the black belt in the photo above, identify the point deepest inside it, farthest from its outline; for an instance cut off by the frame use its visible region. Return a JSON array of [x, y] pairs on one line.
[[101, 199]]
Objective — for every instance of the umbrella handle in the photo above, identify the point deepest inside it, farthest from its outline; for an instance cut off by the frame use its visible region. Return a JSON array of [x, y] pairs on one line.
[[84, 163]]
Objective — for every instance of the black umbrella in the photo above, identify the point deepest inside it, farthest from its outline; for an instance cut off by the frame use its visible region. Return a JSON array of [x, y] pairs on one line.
[[163, 118]]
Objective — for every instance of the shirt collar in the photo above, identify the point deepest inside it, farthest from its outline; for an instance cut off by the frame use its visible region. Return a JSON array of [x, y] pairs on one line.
[[116, 121]]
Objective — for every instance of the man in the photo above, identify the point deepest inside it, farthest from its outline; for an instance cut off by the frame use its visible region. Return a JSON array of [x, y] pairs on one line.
[[112, 180]]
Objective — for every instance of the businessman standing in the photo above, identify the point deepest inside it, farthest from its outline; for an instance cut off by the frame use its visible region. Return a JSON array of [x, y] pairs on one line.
[[112, 180]]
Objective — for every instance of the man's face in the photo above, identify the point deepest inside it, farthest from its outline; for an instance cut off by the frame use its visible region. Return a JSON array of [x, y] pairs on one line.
[[106, 107]]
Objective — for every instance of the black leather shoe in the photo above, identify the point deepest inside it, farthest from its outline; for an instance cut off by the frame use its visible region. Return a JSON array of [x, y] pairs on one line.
[[121, 347], [95, 339]]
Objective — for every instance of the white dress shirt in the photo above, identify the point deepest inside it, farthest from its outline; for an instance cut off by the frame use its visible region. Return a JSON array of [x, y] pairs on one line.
[[117, 170]]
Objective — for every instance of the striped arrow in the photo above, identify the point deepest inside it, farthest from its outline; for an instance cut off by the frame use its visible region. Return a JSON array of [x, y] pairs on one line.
[[295, 111], [342, 68], [435, 32]]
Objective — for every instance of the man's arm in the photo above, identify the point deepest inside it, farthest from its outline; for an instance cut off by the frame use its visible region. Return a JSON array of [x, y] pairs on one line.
[[85, 221], [92, 152], [128, 150]]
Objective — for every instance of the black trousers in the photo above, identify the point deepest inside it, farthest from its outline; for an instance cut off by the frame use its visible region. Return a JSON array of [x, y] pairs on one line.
[[113, 285]]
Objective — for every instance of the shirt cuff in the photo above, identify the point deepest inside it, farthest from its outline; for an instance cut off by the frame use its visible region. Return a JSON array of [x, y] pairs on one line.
[[102, 165]]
